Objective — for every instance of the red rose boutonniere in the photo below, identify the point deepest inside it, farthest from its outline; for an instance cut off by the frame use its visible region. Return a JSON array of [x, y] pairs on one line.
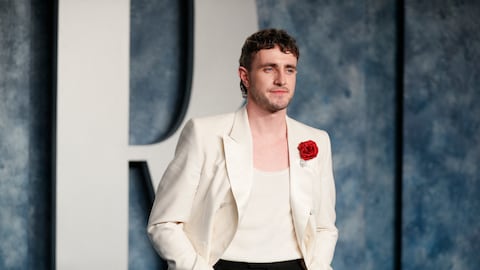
[[308, 150]]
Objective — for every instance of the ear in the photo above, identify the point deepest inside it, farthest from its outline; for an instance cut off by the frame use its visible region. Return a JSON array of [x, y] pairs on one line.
[[243, 74]]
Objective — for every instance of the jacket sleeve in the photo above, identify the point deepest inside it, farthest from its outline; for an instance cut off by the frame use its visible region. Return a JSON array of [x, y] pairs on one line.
[[326, 231], [173, 203]]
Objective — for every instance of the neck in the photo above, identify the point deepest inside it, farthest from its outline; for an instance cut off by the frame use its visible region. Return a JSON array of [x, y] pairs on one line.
[[267, 123], [269, 135]]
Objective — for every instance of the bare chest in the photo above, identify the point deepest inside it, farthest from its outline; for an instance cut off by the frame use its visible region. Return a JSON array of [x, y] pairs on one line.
[[270, 155]]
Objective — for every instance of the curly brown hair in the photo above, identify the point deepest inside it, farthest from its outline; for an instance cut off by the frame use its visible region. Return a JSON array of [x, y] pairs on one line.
[[266, 39]]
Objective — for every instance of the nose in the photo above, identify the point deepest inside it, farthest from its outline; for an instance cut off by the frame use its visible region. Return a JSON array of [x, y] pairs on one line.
[[280, 78]]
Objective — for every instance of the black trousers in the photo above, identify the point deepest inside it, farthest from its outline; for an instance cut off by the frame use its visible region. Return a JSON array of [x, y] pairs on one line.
[[284, 265]]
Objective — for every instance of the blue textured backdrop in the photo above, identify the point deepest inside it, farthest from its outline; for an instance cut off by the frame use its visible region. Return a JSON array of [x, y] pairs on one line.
[[442, 136], [346, 85], [26, 97], [156, 44]]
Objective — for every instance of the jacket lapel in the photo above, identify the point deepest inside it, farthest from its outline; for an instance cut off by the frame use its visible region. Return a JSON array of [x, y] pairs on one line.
[[239, 162], [301, 177], [239, 159]]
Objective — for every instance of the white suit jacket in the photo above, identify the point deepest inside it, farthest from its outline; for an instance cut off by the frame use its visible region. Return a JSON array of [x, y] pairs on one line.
[[205, 189]]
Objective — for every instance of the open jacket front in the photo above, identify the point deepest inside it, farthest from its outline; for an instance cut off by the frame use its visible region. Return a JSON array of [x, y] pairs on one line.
[[204, 192]]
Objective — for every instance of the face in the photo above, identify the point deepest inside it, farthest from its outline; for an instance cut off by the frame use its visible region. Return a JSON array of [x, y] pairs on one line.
[[270, 80]]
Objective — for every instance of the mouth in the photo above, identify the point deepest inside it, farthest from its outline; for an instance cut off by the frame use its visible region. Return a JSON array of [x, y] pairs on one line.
[[279, 91]]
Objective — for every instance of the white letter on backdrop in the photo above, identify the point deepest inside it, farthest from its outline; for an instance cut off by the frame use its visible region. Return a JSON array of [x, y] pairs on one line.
[[92, 151]]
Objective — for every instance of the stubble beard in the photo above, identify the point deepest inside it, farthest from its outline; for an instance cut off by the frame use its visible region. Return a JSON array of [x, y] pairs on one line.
[[272, 105]]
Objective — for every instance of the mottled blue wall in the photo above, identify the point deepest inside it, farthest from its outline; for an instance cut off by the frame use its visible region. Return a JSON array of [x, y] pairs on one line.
[[346, 85], [158, 47], [26, 98], [441, 206]]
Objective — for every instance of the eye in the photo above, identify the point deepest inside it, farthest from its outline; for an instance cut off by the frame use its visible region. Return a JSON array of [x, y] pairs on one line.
[[291, 70], [267, 69]]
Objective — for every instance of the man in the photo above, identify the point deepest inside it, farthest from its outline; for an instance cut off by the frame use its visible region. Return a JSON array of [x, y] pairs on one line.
[[252, 189]]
